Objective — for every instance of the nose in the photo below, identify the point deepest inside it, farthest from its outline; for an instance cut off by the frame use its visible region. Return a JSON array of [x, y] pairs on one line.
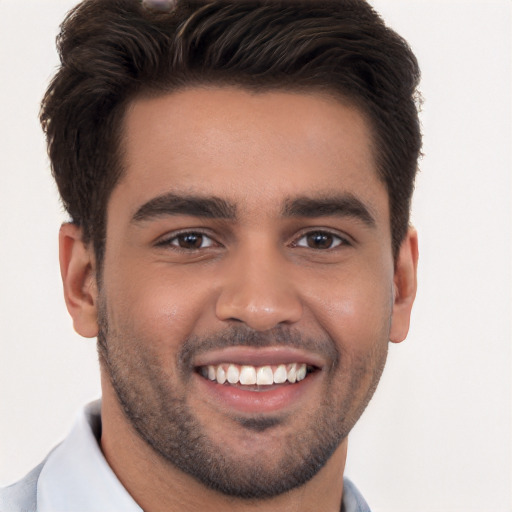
[[259, 291]]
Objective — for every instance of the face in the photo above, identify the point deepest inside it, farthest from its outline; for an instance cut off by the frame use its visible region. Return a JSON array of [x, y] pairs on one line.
[[248, 283]]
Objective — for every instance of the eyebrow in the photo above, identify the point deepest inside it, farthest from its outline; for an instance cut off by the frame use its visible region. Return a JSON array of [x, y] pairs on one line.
[[346, 205], [196, 206]]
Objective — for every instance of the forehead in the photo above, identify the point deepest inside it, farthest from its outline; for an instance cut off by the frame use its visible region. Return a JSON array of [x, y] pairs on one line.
[[252, 148]]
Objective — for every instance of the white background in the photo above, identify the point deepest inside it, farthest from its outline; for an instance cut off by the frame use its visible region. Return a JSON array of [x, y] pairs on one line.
[[437, 436]]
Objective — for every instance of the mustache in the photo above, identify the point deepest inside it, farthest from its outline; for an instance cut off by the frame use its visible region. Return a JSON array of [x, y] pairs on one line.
[[243, 336]]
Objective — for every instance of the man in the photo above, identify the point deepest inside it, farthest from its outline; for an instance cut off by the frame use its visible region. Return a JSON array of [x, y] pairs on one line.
[[238, 177]]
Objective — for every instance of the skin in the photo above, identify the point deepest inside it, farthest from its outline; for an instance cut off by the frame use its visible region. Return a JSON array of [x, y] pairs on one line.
[[256, 271]]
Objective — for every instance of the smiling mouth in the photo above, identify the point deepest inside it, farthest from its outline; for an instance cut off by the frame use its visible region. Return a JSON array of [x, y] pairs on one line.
[[256, 376]]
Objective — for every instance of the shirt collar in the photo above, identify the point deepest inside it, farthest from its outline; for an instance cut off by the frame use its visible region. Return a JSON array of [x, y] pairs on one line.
[[352, 499], [76, 475]]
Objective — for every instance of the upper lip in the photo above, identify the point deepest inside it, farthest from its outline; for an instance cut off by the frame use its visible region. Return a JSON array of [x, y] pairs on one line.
[[259, 356]]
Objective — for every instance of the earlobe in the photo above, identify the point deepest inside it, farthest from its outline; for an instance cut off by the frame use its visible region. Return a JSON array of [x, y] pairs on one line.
[[77, 268], [405, 284]]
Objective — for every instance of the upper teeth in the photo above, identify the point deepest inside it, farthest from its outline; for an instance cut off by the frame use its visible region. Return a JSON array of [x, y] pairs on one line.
[[255, 375]]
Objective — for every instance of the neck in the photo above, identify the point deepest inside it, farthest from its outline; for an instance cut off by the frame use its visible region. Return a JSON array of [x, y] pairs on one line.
[[156, 485]]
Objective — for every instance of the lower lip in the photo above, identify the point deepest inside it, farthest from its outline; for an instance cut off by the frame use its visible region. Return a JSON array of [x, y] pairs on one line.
[[273, 399]]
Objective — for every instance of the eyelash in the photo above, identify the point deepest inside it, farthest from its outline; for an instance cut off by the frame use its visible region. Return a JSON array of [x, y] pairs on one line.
[[338, 239], [173, 241]]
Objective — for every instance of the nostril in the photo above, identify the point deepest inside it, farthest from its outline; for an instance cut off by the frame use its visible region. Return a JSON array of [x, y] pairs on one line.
[[262, 316]]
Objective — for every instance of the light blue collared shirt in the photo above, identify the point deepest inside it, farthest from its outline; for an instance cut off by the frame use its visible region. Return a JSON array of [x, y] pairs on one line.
[[76, 477]]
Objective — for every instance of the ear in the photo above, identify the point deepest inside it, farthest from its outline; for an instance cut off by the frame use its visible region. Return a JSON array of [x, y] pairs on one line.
[[404, 286], [78, 271]]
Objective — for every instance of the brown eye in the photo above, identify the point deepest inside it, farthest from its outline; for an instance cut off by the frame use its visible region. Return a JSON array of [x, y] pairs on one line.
[[192, 241], [319, 240]]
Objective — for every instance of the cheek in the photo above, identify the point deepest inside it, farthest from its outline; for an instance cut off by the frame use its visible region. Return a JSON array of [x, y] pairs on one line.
[[153, 308], [354, 308]]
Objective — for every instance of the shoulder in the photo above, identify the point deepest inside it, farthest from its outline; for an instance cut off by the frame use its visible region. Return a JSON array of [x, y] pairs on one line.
[[21, 496]]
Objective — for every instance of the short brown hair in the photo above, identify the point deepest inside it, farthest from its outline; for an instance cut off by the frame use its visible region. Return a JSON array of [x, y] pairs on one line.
[[114, 50]]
